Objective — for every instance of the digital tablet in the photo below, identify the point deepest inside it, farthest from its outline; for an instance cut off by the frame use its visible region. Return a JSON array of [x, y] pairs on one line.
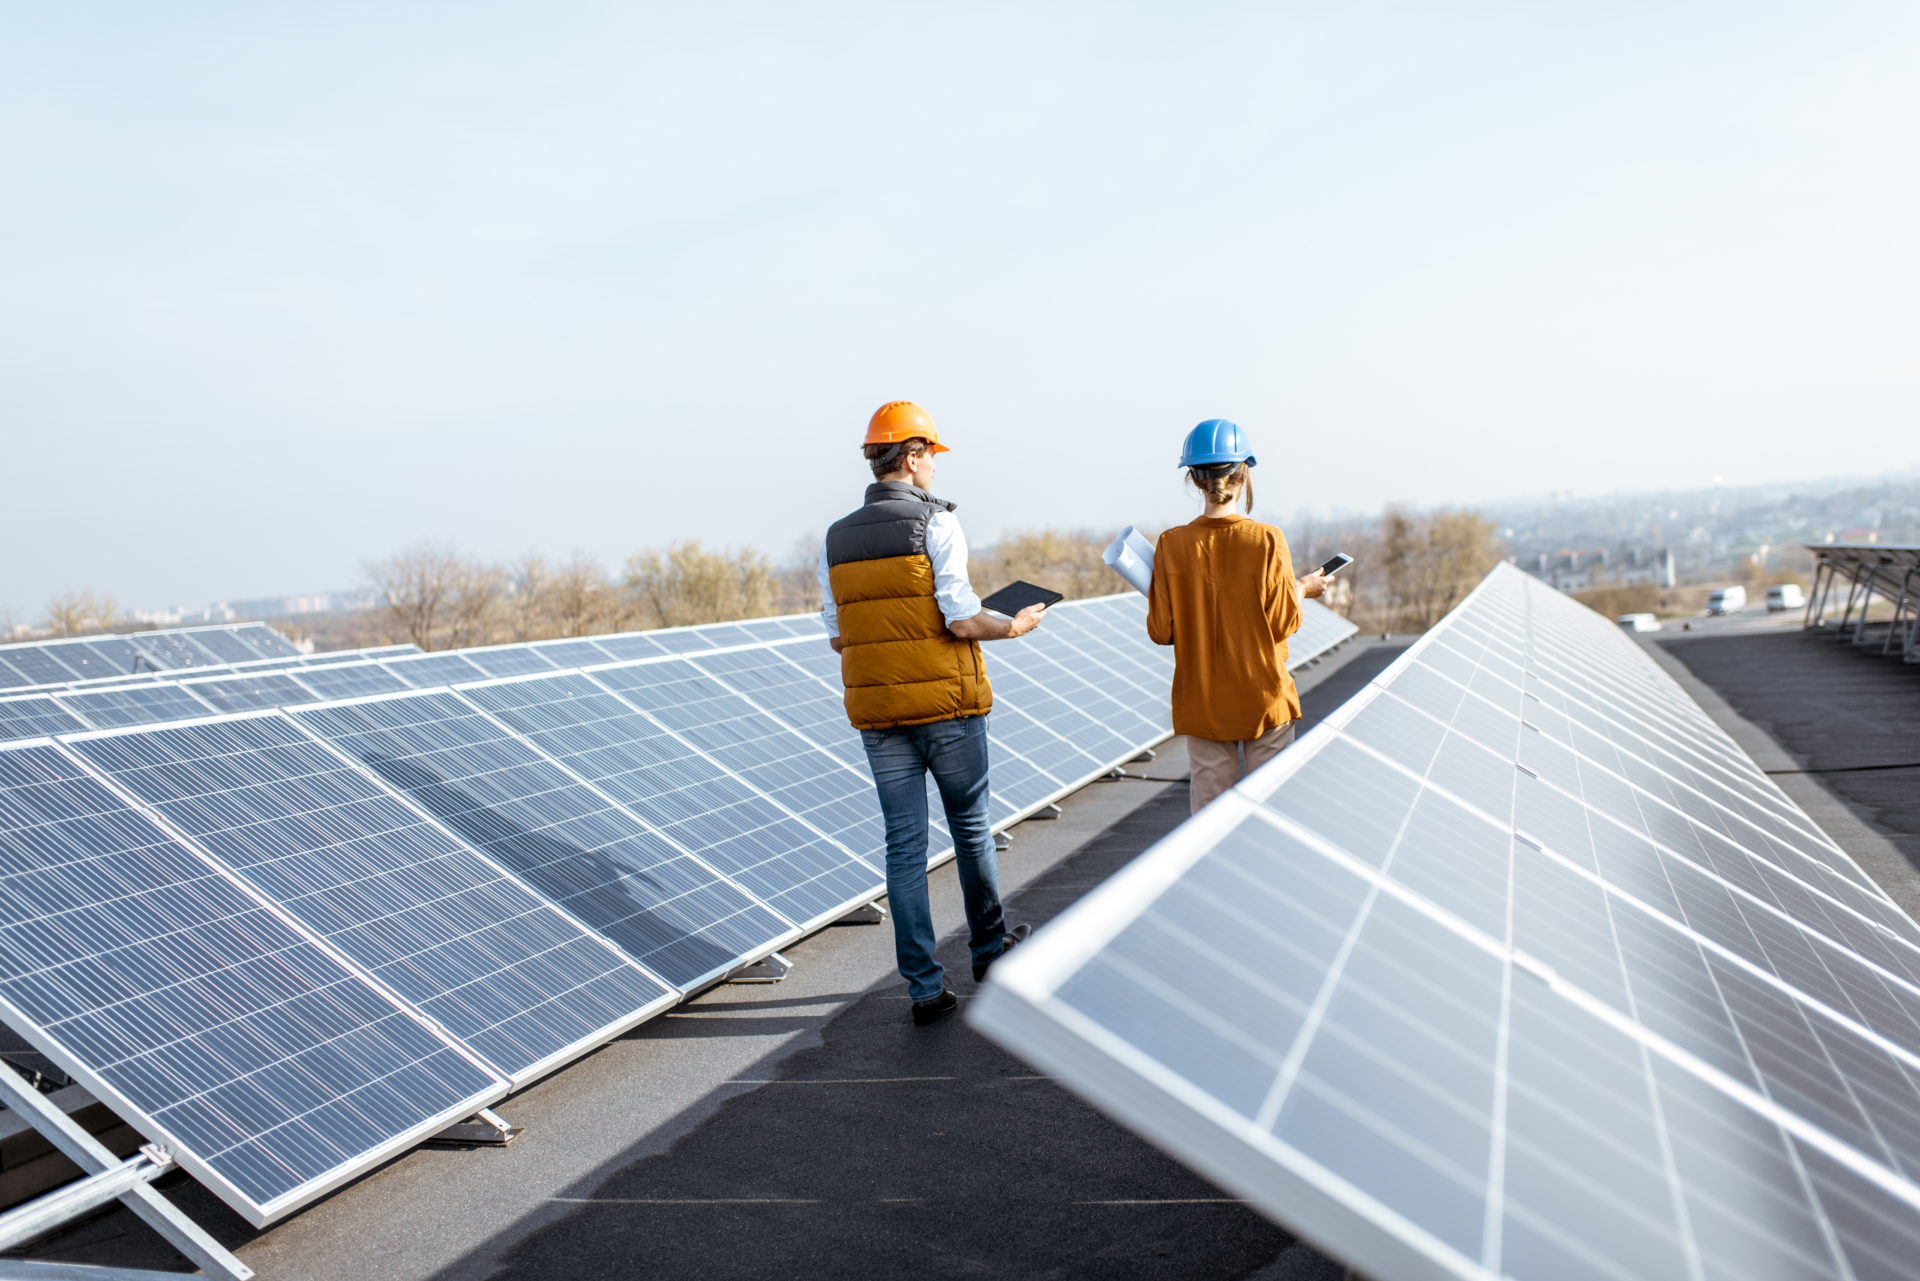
[[1016, 596]]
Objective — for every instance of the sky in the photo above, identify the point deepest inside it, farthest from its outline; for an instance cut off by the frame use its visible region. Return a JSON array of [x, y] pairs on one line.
[[285, 289]]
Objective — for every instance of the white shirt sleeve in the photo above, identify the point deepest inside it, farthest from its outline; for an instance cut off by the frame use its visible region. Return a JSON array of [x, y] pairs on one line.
[[828, 613], [947, 551]]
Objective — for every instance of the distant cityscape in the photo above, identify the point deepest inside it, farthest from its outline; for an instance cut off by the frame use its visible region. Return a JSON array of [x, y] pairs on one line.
[[1666, 539], [1702, 536]]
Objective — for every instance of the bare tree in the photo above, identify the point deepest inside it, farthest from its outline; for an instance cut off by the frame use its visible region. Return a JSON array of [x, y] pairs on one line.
[[473, 606], [1431, 562], [72, 613], [688, 584], [1067, 561], [416, 587]]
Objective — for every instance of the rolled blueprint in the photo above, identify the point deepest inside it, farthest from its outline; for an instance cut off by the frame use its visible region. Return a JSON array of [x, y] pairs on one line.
[[1131, 557]]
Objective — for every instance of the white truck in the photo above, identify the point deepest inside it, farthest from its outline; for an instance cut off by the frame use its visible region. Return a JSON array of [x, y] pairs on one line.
[[1785, 596], [1727, 600]]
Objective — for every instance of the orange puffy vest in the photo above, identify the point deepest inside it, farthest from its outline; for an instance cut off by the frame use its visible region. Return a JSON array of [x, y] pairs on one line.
[[899, 663]]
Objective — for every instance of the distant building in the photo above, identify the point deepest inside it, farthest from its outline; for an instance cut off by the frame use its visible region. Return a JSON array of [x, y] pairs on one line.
[[345, 602], [1570, 570]]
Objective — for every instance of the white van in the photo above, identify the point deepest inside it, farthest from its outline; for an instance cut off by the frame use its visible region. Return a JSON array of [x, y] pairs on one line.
[[1639, 622], [1785, 596], [1727, 600]]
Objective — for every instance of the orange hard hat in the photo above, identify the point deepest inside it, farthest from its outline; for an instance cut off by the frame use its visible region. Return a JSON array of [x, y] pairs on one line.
[[899, 420]]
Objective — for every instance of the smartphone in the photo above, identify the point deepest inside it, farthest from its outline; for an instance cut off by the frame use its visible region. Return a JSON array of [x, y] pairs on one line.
[[1339, 562]]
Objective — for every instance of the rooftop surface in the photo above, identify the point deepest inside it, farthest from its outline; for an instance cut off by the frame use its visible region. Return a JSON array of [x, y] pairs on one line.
[[807, 1128]]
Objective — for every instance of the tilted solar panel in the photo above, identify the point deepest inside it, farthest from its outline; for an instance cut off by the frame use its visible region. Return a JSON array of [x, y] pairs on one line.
[[499, 969], [135, 704], [268, 642], [1465, 984], [771, 757], [86, 661], [251, 693], [509, 660], [195, 1012], [350, 680], [35, 716], [12, 677], [177, 649], [39, 665], [424, 671], [786, 681], [698, 804], [225, 644], [660, 905], [572, 653]]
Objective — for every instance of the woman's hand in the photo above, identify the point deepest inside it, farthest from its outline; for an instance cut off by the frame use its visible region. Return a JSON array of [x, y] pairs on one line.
[[1315, 584]]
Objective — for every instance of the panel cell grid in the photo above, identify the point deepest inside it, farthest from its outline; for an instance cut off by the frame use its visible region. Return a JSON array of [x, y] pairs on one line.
[[769, 756], [251, 693], [498, 968], [207, 1021], [512, 660], [351, 680], [698, 804], [225, 645], [425, 671], [136, 704], [659, 905], [1464, 985], [35, 715]]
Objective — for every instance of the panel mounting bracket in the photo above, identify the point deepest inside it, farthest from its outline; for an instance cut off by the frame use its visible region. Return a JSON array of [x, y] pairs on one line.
[[1045, 812], [770, 968], [1145, 755], [866, 914], [104, 1177], [484, 1126]]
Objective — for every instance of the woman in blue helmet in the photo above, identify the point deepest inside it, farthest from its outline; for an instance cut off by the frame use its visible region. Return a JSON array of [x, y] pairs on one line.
[[1225, 597]]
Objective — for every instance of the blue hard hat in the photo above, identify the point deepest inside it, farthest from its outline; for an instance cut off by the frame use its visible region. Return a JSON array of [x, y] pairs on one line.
[[1217, 440]]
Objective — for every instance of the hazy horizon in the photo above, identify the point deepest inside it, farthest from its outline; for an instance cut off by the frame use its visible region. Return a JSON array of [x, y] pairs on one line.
[[285, 291]]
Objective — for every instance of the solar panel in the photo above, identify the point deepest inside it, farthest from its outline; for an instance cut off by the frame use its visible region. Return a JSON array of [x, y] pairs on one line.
[[350, 680], [87, 662], [499, 969], [35, 716], [135, 704], [568, 842], [1320, 630], [176, 649], [1455, 990], [250, 693], [424, 671], [572, 653], [509, 660], [269, 643], [786, 681], [39, 665], [195, 1012], [631, 645], [12, 677], [224, 644], [699, 805], [753, 745]]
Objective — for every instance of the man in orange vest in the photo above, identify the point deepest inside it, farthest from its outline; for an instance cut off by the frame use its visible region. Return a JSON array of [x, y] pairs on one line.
[[907, 626]]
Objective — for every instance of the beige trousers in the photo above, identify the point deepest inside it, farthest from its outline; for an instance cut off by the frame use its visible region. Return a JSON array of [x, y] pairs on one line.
[[1214, 766]]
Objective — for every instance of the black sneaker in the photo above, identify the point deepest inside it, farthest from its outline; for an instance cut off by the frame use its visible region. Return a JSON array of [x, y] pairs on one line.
[[1015, 935], [935, 1008]]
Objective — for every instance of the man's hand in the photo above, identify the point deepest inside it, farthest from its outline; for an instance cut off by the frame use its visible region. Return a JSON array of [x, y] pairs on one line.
[[1315, 584], [985, 626]]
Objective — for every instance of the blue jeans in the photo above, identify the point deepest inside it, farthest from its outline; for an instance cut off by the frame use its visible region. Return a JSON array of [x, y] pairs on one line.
[[956, 752]]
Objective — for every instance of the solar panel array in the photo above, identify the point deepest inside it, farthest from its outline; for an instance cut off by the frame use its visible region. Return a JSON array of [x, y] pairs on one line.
[[1516, 966], [57, 662], [377, 894]]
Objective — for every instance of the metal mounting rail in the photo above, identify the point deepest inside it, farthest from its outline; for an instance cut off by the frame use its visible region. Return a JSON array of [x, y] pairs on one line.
[[104, 1177]]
